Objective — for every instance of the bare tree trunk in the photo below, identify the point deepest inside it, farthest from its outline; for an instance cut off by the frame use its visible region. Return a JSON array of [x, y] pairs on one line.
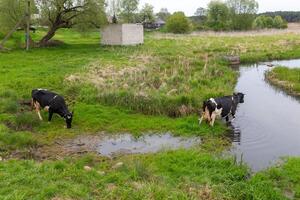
[[48, 36]]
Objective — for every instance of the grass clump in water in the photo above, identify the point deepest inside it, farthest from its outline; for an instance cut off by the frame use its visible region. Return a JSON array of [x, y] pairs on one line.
[[288, 79]]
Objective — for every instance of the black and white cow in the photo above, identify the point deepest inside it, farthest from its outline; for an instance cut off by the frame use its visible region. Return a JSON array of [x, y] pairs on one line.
[[221, 107], [51, 102]]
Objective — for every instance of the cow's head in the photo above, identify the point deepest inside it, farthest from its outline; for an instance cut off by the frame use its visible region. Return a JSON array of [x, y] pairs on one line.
[[69, 119], [240, 97]]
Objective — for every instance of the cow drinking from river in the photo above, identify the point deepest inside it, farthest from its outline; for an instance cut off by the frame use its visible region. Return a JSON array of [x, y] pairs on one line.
[[221, 107], [51, 102]]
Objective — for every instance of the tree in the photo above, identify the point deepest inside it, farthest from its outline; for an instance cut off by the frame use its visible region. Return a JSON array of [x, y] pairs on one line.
[[218, 15], [262, 22], [147, 13], [114, 10], [242, 13], [128, 10], [178, 23], [279, 23], [82, 14], [12, 17], [200, 12], [163, 14], [259, 22], [12, 11]]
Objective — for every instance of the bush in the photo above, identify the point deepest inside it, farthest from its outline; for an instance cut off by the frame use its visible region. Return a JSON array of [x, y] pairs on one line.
[[279, 23], [178, 23], [262, 22]]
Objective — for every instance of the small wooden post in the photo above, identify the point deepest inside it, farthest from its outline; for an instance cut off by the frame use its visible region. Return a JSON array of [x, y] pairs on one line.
[[28, 26]]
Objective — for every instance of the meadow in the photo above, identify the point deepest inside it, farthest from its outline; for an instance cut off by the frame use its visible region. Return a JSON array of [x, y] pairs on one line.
[[158, 87]]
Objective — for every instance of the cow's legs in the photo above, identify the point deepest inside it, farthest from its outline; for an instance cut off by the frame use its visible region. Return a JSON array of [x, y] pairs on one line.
[[50, 115], [202, 117], [38, 109], [213, 118], [227, 119]]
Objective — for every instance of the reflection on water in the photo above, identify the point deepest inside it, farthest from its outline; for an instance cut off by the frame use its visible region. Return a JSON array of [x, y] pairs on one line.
[[127, 144], [267, 126]]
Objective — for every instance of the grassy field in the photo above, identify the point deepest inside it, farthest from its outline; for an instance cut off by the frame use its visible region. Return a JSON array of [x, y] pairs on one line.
[[158, 87], [288, 79]]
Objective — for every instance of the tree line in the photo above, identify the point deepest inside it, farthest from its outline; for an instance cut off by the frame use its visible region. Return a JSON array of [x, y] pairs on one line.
[[87, 14], [289, 16], [234, 15]]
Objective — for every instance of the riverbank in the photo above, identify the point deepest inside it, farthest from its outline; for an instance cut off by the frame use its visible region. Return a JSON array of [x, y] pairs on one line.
[[285, 78]]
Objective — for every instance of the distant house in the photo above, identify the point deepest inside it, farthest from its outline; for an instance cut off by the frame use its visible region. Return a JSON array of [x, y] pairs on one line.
[[159, 23]]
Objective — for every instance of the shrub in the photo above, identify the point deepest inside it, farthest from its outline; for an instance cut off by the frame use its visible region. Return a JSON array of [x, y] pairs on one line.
[[279, 23], [262, 22], [178, 23]]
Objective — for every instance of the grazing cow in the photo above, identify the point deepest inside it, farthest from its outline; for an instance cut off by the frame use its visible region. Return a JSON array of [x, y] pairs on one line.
[[221, 107], [51, 102]]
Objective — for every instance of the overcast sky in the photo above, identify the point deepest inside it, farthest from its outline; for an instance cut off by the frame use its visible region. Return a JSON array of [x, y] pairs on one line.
[[190, 6]]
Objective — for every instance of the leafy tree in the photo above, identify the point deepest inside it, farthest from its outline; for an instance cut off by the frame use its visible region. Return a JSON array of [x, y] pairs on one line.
[[259, 22], [163, 14], [178, 23], [242, 13], [279, 23], [262, 22], [268, 22], [12, 16], [200, 12], [82, 14], [218, 15], [128, 10], [12, 11], [147, 13]]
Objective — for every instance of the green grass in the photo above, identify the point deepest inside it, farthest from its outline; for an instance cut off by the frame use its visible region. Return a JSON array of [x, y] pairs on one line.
[[169, 175], [164, 77], [288, 79]]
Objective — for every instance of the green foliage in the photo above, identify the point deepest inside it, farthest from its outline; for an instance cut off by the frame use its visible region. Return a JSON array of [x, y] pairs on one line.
[[128, 10], [242, 13], [289, 16], [178, 23], [218, 15], [83, 15], [262, 22], [12, 11], [147, 14], [279, 23]]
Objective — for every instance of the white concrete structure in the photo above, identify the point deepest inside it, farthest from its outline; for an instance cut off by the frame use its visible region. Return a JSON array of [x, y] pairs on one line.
[[122, 34]]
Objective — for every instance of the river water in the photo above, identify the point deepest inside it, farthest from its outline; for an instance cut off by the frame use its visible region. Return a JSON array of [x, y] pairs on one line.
[[267, 125]]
